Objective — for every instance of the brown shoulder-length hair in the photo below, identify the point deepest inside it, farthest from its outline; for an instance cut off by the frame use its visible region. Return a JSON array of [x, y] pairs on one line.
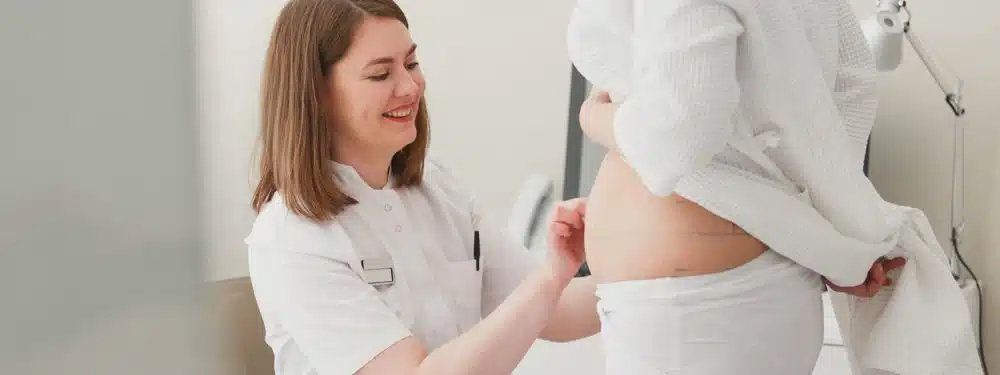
[[296, 144]]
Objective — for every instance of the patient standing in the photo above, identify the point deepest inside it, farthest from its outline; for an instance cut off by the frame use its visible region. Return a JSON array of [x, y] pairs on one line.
[[698, 88]]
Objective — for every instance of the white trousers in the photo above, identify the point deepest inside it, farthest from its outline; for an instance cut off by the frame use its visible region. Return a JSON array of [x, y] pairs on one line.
[[762, 318]]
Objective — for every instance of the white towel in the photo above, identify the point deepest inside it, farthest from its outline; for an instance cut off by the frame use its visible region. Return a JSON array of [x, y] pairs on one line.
[[913, 315], [751, 107]]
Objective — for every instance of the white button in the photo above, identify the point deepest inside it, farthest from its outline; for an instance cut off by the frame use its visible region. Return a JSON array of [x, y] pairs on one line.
[[399, 228], [388, 207]]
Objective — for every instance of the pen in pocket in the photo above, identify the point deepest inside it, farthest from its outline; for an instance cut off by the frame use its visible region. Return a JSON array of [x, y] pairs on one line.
[[475, 248]]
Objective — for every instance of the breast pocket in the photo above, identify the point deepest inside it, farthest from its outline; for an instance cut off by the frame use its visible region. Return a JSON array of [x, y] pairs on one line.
[[465, 284]]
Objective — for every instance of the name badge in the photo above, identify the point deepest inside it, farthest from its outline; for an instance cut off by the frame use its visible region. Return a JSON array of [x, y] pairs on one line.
[[378, 272]]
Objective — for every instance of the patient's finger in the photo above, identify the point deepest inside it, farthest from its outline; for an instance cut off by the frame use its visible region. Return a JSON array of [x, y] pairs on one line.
[[877, 274], [893, 263], [866, 290]]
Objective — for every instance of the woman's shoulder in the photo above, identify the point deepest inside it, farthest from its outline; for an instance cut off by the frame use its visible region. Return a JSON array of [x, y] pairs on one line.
[[440, 177], [437, 171], [442, 187], [277, 228]]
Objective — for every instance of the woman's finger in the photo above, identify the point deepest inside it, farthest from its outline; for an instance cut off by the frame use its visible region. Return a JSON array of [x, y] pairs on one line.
[[563, 230], [576, 210], [559, 229], [564, 243], [579, 205], [569, 216]]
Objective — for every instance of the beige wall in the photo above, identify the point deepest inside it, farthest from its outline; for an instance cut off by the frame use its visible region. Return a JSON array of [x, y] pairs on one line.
[[912, 144]]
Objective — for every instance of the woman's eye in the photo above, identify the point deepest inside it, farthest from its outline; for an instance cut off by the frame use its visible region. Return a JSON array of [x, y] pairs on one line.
[[379, 77], [412, 65]]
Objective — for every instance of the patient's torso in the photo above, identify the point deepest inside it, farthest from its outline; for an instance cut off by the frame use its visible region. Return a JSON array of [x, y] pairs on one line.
[[632, 234]]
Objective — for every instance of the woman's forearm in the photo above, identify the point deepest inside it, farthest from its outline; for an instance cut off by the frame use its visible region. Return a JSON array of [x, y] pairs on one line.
[[498, 343], [576, 314]]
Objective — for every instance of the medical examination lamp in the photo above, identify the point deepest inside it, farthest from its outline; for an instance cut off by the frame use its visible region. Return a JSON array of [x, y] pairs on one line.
[[885, 32]]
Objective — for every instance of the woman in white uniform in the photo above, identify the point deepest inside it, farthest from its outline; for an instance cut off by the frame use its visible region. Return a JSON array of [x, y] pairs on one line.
[[365, 258]]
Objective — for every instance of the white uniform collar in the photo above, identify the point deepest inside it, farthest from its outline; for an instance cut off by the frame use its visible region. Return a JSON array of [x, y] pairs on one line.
[[352, 183]]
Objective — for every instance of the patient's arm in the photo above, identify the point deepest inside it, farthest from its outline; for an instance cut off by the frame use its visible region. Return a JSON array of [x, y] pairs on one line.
[[679, 113], [854, 90]]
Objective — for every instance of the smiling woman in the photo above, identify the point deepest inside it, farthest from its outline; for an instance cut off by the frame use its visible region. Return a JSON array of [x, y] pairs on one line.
[[381, 115], [365, 258]]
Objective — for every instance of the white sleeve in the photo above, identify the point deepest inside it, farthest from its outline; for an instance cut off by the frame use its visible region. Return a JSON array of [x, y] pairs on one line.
[[601, 54], [680, 112], [854, 90], [505, 261], [335, 318]]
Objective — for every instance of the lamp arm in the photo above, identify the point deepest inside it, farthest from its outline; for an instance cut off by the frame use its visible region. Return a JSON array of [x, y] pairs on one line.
[[953, 95], [957, 194]]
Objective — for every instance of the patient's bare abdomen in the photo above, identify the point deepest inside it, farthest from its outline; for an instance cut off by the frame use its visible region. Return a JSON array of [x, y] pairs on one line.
[[632, 234]]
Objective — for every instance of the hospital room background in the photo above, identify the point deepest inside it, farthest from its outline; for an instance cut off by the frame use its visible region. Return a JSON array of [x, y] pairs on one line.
[[129, 127]]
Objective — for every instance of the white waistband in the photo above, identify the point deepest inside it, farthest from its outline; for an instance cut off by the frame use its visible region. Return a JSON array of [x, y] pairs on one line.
[[755, 273]]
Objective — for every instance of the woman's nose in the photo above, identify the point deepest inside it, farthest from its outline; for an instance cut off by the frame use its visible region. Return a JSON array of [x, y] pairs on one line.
[[408, 86]]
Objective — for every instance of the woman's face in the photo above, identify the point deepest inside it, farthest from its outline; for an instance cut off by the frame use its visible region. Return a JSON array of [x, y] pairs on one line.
[[376, 89]]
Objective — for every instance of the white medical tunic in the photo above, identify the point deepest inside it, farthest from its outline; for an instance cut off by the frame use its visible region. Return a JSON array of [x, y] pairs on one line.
[[320, 314]]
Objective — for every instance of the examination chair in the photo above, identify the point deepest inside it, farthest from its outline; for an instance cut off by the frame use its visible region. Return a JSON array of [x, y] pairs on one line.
[[234, 309]]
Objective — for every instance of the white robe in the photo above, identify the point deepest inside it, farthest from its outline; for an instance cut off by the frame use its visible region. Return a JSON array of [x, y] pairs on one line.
[[760, 111]]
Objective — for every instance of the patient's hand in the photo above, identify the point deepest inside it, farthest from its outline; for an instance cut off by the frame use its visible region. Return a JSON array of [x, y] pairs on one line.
[[597, 116], [876, 279]]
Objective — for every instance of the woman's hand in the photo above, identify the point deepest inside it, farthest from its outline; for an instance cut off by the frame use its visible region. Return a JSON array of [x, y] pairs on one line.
[[566, 237], [597, 117], [876, 278]]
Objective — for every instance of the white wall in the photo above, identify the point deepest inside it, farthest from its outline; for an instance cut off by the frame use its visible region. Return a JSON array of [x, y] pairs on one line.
[[498, 90], [231, 40], [498, 93], [912, 144]]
